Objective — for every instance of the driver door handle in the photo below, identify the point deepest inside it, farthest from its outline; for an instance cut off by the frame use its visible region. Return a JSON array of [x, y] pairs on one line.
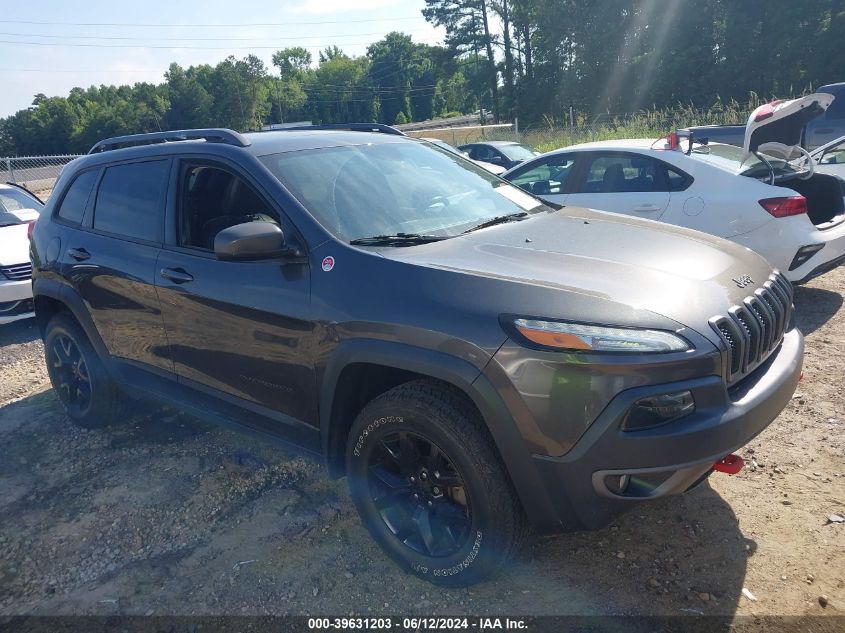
[[176, 275]]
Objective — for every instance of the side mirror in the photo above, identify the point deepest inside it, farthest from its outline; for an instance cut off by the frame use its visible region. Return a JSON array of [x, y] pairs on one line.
[[250, 241]]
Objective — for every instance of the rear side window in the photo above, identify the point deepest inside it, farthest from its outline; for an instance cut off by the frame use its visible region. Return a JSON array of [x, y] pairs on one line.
[[73, 204], [627, 173], [129, 200], [678, 180]]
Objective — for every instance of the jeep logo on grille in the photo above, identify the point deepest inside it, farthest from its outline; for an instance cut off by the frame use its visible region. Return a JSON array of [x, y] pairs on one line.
[[743, 281]]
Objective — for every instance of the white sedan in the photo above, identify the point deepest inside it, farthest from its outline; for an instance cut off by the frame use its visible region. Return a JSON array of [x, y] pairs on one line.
[[18, 211], [779, 207]]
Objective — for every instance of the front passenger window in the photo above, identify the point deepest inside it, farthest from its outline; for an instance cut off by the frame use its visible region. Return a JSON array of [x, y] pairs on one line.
[[213, 199]]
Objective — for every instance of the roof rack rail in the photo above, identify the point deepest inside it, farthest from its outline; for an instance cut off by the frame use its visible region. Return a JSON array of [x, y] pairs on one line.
[[350, 127], [211, 135]]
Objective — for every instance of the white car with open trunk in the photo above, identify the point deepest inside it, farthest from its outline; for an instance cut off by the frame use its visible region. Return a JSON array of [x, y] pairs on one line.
[[767, 195]]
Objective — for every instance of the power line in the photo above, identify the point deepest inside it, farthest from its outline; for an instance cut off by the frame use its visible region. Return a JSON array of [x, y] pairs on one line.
[[188, 39], [203, 48], [218, 25]]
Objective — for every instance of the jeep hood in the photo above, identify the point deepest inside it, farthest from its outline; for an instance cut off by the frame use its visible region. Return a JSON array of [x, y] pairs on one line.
[[784, 121], [684, 275]]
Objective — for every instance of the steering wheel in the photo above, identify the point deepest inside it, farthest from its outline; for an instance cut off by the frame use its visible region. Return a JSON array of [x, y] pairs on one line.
[[796, 156]]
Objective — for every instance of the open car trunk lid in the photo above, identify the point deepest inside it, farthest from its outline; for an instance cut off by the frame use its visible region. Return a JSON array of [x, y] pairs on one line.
[[784, 121]]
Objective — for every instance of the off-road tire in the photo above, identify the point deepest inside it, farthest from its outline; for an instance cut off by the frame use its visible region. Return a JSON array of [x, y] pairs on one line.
[[103, 407], [442, 416]]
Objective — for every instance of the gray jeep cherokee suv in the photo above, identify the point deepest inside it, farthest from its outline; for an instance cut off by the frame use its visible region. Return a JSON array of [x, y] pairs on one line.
[[472, 360]]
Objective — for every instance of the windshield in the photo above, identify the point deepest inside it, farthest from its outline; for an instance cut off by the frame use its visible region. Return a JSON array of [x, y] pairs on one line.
[[395, 188], [730, 157], [17, 207], [518, 152]]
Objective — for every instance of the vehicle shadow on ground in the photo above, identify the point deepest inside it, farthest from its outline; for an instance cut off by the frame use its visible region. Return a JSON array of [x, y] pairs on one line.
[[19, 332], [219, 523], [814, 307], [674, 557]]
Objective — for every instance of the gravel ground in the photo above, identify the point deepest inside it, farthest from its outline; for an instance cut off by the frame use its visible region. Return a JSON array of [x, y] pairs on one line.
[[163, 514]]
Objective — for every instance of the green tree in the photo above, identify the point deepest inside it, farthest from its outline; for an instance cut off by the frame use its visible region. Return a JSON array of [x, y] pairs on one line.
[[292, 62], [190, 103], [467, 24]]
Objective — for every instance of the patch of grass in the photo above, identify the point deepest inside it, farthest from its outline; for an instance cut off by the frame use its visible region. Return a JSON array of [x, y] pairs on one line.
[[555, 132]]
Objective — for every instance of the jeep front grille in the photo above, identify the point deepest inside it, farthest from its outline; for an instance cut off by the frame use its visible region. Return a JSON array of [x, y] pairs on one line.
[[18, 272], [752, 330]]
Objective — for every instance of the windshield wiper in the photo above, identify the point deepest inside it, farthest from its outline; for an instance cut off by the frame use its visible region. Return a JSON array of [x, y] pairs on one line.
[[500, 219], [400, 239]]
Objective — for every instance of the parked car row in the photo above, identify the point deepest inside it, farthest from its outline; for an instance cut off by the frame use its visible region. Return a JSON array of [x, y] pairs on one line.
[[769, 195]]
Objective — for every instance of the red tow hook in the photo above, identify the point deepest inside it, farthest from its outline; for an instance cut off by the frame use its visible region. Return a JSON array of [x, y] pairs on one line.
[[730, 464]]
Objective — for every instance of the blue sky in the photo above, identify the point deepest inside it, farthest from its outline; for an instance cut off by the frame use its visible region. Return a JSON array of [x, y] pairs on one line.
[[124, 52]]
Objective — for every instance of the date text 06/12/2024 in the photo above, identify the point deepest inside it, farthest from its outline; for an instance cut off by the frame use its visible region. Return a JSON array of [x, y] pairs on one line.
[[418, 624]]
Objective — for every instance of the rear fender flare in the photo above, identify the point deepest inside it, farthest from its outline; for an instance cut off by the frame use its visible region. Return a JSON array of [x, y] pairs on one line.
[[53, 289]]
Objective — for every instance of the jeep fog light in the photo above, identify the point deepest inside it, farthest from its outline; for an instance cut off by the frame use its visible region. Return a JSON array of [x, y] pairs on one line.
[[657, 410]]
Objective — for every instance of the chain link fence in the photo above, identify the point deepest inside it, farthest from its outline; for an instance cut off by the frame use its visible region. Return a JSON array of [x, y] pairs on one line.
[[36, 173]]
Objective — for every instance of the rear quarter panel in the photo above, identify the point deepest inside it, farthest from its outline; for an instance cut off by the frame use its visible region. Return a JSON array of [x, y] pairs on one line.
[[718, 202]]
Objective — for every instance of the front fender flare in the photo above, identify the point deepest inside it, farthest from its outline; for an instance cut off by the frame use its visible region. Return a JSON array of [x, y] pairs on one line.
[[472, 382]]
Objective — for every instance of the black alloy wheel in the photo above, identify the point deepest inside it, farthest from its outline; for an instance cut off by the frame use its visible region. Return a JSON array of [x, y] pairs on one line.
[[419, 494], [72, 380]]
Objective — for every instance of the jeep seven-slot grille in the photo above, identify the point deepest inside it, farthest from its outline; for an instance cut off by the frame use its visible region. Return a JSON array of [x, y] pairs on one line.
[[18, 272], [752, 330]]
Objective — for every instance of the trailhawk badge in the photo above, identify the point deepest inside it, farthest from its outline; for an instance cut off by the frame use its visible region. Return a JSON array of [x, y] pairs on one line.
[[328, 263], [742, 282]]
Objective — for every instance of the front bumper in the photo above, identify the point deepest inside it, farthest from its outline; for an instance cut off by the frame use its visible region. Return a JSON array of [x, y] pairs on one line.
[[15, 300], [669, 459]]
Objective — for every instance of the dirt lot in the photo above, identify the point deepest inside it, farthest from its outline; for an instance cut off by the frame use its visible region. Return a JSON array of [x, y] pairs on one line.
[[165, 515]]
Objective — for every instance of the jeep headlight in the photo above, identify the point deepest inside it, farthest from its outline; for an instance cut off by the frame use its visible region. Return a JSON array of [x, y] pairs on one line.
[[597, 338]]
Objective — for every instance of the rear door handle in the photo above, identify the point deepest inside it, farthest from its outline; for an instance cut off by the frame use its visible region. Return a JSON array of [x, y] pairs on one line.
[[79, 254], [827, 130], [647, 207], [176, 275]]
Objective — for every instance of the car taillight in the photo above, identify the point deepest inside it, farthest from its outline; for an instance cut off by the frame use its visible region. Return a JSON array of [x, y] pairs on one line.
[[29, 229], [784, 207], [765, 111], [672, 140]]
